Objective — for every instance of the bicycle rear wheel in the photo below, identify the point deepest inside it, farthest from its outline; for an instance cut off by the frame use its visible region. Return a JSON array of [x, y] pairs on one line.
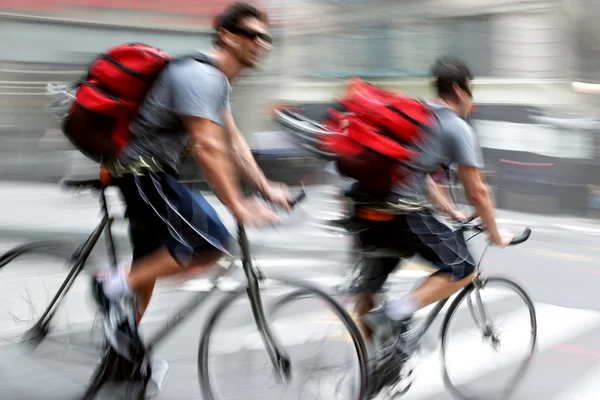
[[239, 356], [62, 348], [515, 325]]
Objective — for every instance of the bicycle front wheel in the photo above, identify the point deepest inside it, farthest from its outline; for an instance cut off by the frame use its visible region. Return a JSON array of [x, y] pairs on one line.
[[326, 351], [488, 339]]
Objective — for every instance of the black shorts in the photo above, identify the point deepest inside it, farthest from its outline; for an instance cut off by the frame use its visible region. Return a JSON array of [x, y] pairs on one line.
[[164, 212], [420, 232]]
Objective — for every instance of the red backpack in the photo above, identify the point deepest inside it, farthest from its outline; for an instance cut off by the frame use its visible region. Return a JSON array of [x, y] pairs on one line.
[[373, 135], [109, 97]]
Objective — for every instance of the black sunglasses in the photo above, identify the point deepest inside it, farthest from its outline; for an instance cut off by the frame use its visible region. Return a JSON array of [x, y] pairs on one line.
[[468, 90], [252, 35]]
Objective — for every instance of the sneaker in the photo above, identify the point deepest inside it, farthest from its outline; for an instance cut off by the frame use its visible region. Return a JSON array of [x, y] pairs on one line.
[[119, 321], [396, 342], [388, 332], [386, 371]]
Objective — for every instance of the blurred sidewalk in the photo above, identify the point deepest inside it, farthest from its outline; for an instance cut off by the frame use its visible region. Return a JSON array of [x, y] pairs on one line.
[[44, 211]]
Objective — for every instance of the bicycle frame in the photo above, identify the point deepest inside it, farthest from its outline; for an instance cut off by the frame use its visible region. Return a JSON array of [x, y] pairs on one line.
[[278, 357], [253, 275], [475, 285]]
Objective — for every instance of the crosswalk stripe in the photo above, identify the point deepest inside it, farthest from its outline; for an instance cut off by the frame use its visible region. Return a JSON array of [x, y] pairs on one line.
[[586, 388], [304, 263], [327, 281], [290, 262], [555, 325]]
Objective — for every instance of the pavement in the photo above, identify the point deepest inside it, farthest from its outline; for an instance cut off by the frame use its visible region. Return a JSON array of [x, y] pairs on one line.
[[38, 209], [558, 267]]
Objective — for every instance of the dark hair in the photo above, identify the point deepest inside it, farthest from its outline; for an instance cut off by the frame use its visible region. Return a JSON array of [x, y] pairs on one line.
[[233, 15], [447, 71]]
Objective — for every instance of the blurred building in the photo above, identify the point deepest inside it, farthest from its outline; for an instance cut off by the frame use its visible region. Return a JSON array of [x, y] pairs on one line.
[[537, 123], [526, 55]]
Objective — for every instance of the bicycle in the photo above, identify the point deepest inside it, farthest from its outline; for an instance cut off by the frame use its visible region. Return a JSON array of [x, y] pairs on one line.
[[471, 295], [307, 134], [280, 361]]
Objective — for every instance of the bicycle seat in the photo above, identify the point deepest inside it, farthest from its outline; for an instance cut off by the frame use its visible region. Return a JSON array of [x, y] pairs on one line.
[[350, 225], [103, 181], [82, 184]]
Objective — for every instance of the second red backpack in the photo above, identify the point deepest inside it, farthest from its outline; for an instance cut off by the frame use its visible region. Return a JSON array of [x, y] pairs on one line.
[[376, 132]]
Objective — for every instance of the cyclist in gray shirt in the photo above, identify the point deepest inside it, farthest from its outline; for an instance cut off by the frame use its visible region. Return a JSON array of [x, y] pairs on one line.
[[172, 227], [418, 229]]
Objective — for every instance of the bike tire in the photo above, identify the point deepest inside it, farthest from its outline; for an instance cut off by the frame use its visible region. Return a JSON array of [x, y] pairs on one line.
[[47, 250], [302, 289], [48, 247], [452, 312], [73, 348]]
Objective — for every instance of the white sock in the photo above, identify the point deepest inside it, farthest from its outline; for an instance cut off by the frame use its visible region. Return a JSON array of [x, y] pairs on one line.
[[400, 309], [116, 285]]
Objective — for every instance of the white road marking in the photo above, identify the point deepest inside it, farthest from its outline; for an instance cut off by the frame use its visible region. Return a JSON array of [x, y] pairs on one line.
[[555, 325], [586, 388]]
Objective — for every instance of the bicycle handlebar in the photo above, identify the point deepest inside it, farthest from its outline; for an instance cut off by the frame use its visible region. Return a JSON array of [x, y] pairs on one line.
[[469, 225], [297, 199], [521, 238]]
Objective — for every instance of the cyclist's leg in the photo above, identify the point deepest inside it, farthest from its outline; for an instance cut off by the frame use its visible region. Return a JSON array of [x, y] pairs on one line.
[[151, 259], [446, 250], [439, 286], [144, 242], [429, 236], [374, 274], [188, 230], [163, 263]]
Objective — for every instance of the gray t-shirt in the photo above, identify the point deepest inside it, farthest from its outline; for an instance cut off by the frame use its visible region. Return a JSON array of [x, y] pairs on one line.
[[184, 88], [451, 140]]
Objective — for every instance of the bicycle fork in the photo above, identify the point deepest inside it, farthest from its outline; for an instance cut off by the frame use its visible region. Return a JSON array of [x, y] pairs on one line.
[[279, 359], [480, 314]]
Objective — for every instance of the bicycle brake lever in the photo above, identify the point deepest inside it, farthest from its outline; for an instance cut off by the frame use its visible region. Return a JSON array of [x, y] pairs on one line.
[[297, 199]]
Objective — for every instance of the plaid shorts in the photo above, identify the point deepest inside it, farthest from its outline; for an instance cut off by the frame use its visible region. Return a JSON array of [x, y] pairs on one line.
[[420, 232], [164, 212]]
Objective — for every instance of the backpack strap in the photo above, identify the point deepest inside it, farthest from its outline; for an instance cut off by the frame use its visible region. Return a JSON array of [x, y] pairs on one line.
[[201, 58]]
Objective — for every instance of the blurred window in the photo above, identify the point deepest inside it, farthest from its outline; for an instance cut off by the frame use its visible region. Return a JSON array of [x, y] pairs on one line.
[[469, 38]]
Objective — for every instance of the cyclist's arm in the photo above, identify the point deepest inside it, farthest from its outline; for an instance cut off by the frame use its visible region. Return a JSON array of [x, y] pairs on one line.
[[199, 99], [478, 196], [211, 150], [469, 158], [437, 198], [243, 155]]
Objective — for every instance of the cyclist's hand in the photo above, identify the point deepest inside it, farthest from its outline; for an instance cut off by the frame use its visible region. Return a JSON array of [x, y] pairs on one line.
[[278, 194], [502, 239], [457, 215], [254, 212]]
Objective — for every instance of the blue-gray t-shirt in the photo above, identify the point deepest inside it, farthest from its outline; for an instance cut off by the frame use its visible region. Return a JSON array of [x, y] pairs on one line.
[[185, 88], [452, 139]]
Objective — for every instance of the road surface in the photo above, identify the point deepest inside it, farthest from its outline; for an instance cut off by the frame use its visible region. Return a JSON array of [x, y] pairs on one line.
[[558, 267]]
